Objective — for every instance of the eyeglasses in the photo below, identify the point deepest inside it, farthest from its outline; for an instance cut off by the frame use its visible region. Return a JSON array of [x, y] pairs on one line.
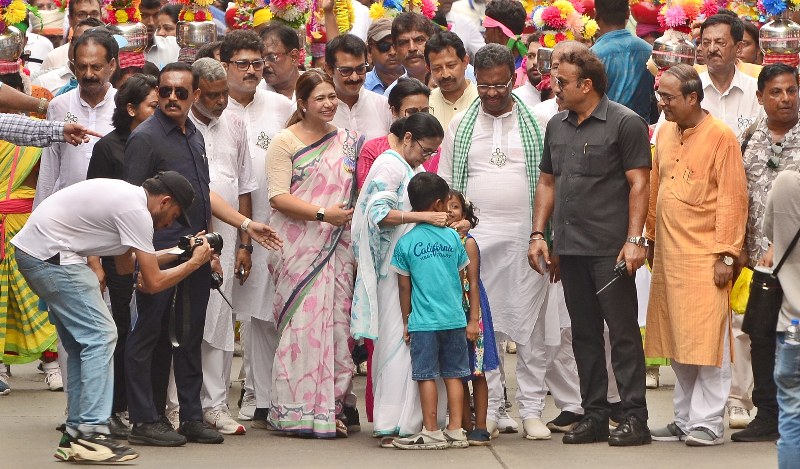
[[426, 153], [272, 58], [347, 71], [498, 88], [563, 84], [82, 15], [243, 65], [414, 110], [180, 92], [775, 160], [665, 98], [384, 46]]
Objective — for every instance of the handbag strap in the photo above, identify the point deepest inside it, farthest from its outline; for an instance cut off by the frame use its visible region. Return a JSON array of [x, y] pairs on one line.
[[786, 254]]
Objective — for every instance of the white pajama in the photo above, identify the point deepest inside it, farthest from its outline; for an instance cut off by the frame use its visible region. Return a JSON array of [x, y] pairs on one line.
[[216, 376], [261, 345], [741, 368]]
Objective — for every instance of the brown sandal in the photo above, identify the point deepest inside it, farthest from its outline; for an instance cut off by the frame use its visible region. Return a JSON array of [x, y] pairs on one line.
[[341, 429]]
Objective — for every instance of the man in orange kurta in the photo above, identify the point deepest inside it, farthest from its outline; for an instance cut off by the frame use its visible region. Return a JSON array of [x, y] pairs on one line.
[[696, 218]]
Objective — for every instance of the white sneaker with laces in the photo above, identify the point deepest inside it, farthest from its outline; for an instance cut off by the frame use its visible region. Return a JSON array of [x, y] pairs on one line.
[[423, 440], [248, 407], [652, 377], [174, 417], [221, 420], [535, 429], [52, 377], [505, 423], [738, 417]]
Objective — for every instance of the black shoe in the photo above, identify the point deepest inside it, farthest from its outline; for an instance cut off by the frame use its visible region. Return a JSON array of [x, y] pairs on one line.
[[632, 431], [198, 432], [118, 429], [565, 422], [757, 430], [261, 419], [100, 447], [588, 430], [155, 434], [350, 418]]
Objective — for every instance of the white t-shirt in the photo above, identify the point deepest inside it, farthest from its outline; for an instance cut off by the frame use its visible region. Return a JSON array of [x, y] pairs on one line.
[[75, 223]]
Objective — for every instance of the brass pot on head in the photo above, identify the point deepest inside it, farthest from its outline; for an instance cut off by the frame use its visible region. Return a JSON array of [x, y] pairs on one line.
[[134, 33], [674, 48], [780, 36], [12, 43], [195, 34]]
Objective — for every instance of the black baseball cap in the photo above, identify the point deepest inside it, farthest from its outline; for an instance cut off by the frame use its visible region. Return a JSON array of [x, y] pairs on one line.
[[180, 189]]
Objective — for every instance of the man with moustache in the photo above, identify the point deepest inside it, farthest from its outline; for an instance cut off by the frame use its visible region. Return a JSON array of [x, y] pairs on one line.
[[281, 58], [77, 10], [91, 104], [169, 141], [161, 50], [55, 79], [528, 92], [264, 114], [386, 67], [230, 169], [447, 58], [360, 110]]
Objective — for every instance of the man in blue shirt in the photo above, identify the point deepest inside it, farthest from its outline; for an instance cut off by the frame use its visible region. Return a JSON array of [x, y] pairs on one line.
[[624, 57]]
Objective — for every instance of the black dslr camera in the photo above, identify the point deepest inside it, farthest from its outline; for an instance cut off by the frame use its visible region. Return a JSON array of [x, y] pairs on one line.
[[213, 239]]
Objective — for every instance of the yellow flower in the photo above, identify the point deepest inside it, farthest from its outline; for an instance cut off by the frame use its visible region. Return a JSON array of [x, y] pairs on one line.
[[15, 12], [122, 16], [188, 16], [565, 7], [262, 16], [795, 2], [570, 35], [344, 15], [549, 40], [589, 27], [376, 11], [203, 3]]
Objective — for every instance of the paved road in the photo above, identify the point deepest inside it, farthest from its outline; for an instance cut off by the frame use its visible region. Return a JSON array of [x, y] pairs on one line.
[[30, 413]]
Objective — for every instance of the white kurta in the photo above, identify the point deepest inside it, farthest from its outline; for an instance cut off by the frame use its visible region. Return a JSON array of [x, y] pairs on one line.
[[264, 117], [231, 176], [516, 292]]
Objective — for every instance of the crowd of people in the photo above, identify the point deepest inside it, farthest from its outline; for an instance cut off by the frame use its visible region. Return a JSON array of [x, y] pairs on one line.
[[423, 202]]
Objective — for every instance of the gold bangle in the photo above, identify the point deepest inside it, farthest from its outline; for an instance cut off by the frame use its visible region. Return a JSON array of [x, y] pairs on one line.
[[402, 218], [42, 106]]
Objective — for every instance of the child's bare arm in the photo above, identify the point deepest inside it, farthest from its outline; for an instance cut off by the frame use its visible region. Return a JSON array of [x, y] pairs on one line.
[[473, 275], [404, 285]]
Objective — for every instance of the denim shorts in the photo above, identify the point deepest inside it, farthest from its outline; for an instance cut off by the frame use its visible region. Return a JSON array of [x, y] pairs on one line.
[[439, 354]]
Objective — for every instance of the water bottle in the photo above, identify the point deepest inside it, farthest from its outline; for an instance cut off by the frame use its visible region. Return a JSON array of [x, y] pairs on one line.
[[793, 333]]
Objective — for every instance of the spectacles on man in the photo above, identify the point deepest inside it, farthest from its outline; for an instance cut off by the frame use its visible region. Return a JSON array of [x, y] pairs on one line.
[[82, 15], [180, 92], [347, 71], [665, 98], [243, 65], [498, 88], [413, 110], [273, 57], [563, 83], [426, 153]]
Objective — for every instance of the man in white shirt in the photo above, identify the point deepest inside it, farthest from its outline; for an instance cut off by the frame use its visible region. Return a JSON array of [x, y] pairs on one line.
[[91, 104], [264, 114], [54, 79], [50, 251], [360, 110], [37, 47], [77, 10], [528, 92], [232, 179], [464, 26], [160, 50], [447, 59], [281, 59]]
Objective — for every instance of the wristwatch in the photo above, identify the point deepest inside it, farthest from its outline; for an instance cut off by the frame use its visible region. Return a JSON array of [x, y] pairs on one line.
[[321, 214], [247, 247], [727, 260], [640, 241]]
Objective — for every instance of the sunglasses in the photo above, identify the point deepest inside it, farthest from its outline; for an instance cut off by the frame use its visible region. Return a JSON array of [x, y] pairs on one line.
[[775, 160], [384, 46], [180, 92]]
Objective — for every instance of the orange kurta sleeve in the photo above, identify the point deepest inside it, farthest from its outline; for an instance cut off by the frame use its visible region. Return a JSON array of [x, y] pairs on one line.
[[655, 175], [732, 202]]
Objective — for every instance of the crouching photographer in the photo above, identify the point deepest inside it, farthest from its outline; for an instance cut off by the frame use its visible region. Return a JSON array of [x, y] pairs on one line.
[[99, 217]]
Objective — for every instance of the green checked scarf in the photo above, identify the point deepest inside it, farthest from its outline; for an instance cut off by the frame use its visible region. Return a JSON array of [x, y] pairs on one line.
[[530, 134]]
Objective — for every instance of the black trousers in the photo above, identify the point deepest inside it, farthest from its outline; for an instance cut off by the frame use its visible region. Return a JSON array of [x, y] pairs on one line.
[[765, 392], [120, 290], [149, 351], [582, 277]]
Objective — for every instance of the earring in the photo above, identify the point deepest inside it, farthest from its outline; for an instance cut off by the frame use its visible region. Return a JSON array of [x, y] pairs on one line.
[[304, 110], [131, 114]]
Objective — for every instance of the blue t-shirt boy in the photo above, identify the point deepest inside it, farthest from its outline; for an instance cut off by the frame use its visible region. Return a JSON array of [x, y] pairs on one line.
[[432, 256]]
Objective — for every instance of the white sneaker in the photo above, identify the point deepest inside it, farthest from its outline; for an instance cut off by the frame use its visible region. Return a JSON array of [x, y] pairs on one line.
[[738, 417], [652, 377], [535, 429], [423, 440], [52, 378], [174, 417], [248, 407], [220, 419], [702, 436], [511, 347], [5, 388], [505, 423], [456, 438]]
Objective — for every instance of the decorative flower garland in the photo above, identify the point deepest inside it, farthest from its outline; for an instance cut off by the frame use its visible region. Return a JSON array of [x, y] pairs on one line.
[[194, 10], [746, 10], [345, 16], [680, 15], [122, 11], [294, 13], [776, 7], [561, 21], [391, 8], [12, 12], [61, 5], [241, 15]]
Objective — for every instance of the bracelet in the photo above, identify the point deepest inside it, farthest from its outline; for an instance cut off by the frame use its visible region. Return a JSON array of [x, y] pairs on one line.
[[536, 239], [42, 106], [245, 224], [402, 218], [533, 233], [246, 247]]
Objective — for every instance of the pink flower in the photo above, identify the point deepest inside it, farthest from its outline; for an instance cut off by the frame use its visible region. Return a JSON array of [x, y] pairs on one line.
[[675, 17], [709, 8], [578, 4], [575, 22], [552, 18]]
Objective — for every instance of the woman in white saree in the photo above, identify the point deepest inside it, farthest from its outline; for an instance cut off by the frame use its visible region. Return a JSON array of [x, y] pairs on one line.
[[382, 216]]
